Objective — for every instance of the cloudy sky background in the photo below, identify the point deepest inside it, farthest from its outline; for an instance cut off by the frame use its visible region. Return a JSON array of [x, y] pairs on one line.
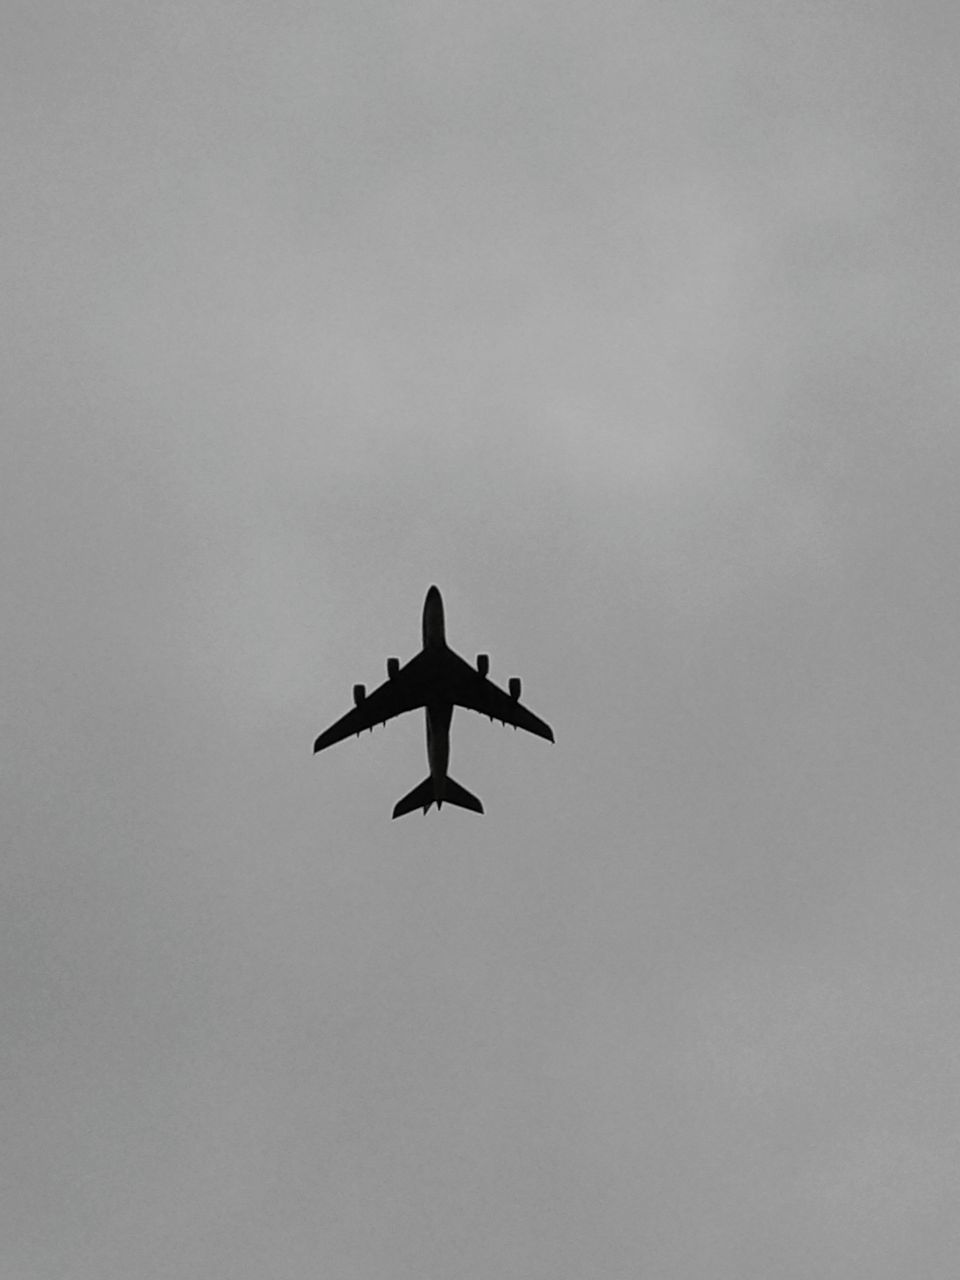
[[634, 328]]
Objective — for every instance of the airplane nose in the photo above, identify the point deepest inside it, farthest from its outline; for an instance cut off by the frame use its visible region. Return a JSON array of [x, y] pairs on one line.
[[432, 619]]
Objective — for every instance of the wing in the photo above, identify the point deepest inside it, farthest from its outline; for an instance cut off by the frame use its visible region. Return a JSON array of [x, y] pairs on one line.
[[404, 692], [467, 688]]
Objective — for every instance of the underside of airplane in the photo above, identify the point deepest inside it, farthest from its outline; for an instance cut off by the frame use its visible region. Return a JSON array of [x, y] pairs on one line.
[[438, 680]]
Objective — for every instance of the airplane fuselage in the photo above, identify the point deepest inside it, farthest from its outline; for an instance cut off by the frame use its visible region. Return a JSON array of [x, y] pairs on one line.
[[438, 712], [434, 631], [438, 715]]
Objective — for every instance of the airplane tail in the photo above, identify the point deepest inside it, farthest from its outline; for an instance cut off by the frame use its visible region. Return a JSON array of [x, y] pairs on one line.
[[422, 797], [455, 794]]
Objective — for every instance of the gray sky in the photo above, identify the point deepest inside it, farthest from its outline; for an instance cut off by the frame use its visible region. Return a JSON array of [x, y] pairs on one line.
[[633, 328]]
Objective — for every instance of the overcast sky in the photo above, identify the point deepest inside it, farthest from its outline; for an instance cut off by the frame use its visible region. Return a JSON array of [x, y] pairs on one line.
[[633, 327]]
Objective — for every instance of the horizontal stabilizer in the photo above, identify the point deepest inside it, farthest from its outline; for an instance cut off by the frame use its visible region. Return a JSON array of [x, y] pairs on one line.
[[422, 797], [453, 793]]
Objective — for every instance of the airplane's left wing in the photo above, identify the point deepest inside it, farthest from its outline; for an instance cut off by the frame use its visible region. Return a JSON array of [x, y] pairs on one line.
[[467, 688], [403, 692]]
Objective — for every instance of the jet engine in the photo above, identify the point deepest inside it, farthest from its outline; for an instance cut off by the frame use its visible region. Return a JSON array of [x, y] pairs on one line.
[[514, 687], [483, 665], [393, 668], [359, 693]]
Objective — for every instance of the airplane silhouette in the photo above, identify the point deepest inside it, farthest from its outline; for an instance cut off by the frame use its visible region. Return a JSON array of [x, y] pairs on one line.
[[437, 679]]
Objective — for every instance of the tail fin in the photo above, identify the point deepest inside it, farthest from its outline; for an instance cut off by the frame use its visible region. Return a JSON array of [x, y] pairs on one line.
[[422, 797]]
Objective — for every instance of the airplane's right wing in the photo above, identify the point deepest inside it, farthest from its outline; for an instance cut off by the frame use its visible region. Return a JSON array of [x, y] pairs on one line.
[[467, 688]]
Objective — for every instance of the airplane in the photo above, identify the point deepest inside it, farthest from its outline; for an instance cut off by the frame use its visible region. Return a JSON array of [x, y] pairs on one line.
[[437, 679]]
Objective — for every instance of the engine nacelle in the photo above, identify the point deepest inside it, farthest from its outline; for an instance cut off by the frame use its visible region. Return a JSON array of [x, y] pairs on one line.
[[483, 665], [514, 687], [393, 668], [359, 693]]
